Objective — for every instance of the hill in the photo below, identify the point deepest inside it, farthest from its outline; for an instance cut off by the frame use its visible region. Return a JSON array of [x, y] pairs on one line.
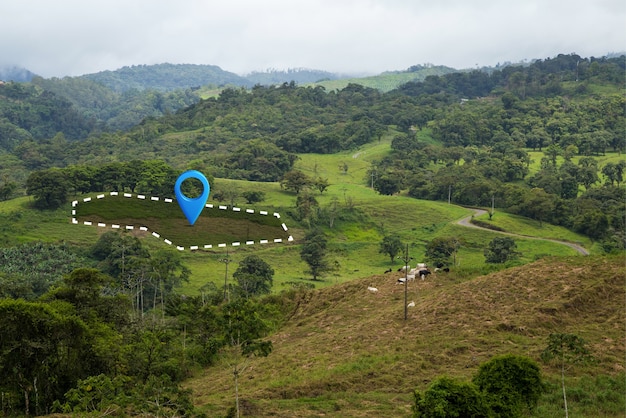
[[297, 75], [348, 352], [15, 73], [166, 77], [389, 80]]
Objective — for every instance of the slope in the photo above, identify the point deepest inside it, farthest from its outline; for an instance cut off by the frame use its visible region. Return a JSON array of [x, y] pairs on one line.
[[346, 351]]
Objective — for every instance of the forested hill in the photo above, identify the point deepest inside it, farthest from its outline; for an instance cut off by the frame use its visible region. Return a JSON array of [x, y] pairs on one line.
[[14, 73], [568, 108], [166, 77]]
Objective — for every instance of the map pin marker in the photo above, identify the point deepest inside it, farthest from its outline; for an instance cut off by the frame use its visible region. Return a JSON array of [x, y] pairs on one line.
[[192, 207]]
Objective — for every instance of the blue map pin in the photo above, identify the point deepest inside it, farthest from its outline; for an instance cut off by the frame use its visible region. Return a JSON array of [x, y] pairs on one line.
[[192, 207]]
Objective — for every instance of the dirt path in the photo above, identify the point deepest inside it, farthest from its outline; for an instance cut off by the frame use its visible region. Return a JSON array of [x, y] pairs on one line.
[[478, 212]]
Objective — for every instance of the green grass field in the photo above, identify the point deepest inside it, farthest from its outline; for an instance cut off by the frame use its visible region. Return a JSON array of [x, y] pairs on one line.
[[363, 218]]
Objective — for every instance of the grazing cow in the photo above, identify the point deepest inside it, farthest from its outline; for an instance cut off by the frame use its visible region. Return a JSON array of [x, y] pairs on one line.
[[423, 273], [387, 271], [372, 289]]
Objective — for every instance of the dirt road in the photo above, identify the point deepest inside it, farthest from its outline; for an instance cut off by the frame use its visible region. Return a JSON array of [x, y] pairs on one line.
[[478, 212]]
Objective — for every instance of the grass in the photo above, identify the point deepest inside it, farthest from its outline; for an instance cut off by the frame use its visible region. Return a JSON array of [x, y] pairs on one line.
[[348, 352], [532, 228], [214, 226], [364, 218]]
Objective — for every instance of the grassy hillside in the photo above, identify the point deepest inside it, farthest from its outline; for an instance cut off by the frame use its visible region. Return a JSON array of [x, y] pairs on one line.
[[364, 218], [386, 81], [347, 352]]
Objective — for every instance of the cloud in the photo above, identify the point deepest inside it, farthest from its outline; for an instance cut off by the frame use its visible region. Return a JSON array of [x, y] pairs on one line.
[[72, 37]]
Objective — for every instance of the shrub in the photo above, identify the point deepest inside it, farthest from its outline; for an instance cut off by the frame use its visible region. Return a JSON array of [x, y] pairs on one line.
[[446, 397], [510, 383]]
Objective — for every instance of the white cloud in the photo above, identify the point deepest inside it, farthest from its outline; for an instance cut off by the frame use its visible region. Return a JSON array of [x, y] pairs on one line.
[[72, 37]]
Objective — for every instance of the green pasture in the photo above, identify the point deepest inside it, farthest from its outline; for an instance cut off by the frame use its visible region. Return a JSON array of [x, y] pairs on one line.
[[363, 218], [529, 227], [214, 226]]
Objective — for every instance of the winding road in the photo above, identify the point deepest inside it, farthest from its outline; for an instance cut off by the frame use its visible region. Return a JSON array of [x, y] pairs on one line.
[[478, 212]]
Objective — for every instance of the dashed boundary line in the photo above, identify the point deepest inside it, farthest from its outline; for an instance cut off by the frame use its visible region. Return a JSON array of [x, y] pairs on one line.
[[167, 241]]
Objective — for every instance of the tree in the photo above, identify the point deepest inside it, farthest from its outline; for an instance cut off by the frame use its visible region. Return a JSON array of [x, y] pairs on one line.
[[390, 245], [313, 252], [48, 187], [157, 178], [305, 203], [501, 250], [565, 348], [6, 190], [446, 397], [254, 276], [237, 329], [253, 196], [321, 184], [552, 152], [593, 223], [511, 384], [614, 172], [295, 180], [440, 249], [538, 205], [388, 184], [43, 352], [588, 171]]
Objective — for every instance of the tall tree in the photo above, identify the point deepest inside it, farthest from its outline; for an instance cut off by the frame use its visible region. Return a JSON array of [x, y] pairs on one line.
[[48, 187], [313, 252], [254, 276], [296, 180], [565, 348], [390, 245]]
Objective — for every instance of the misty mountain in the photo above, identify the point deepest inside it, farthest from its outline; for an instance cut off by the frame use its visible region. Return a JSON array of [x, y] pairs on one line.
[[298, 75], [14, 73], [166, 77]]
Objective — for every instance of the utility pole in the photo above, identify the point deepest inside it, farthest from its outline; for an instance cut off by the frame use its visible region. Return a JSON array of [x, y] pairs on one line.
[[226, 260], [406, 259]]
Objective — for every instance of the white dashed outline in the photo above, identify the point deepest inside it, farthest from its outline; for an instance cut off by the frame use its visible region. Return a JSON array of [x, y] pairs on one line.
[[167, 241]]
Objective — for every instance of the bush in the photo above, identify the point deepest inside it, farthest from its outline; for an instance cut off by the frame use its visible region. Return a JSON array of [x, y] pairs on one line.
[[511, 384], [501, 250], [446, 397]]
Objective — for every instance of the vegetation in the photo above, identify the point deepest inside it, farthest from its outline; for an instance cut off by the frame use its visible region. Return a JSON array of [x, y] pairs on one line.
[[391, 245], [566, 348], [110, 322], [501, 250], [505, 386]]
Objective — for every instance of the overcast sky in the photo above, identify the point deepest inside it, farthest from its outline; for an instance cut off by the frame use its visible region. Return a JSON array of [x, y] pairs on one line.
[[56, 38]]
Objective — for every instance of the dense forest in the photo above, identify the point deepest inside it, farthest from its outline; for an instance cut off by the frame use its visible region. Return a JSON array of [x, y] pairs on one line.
[[113, 335]]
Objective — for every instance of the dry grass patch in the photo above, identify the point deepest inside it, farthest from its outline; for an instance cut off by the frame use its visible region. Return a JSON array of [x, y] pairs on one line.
[[345, 342]]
